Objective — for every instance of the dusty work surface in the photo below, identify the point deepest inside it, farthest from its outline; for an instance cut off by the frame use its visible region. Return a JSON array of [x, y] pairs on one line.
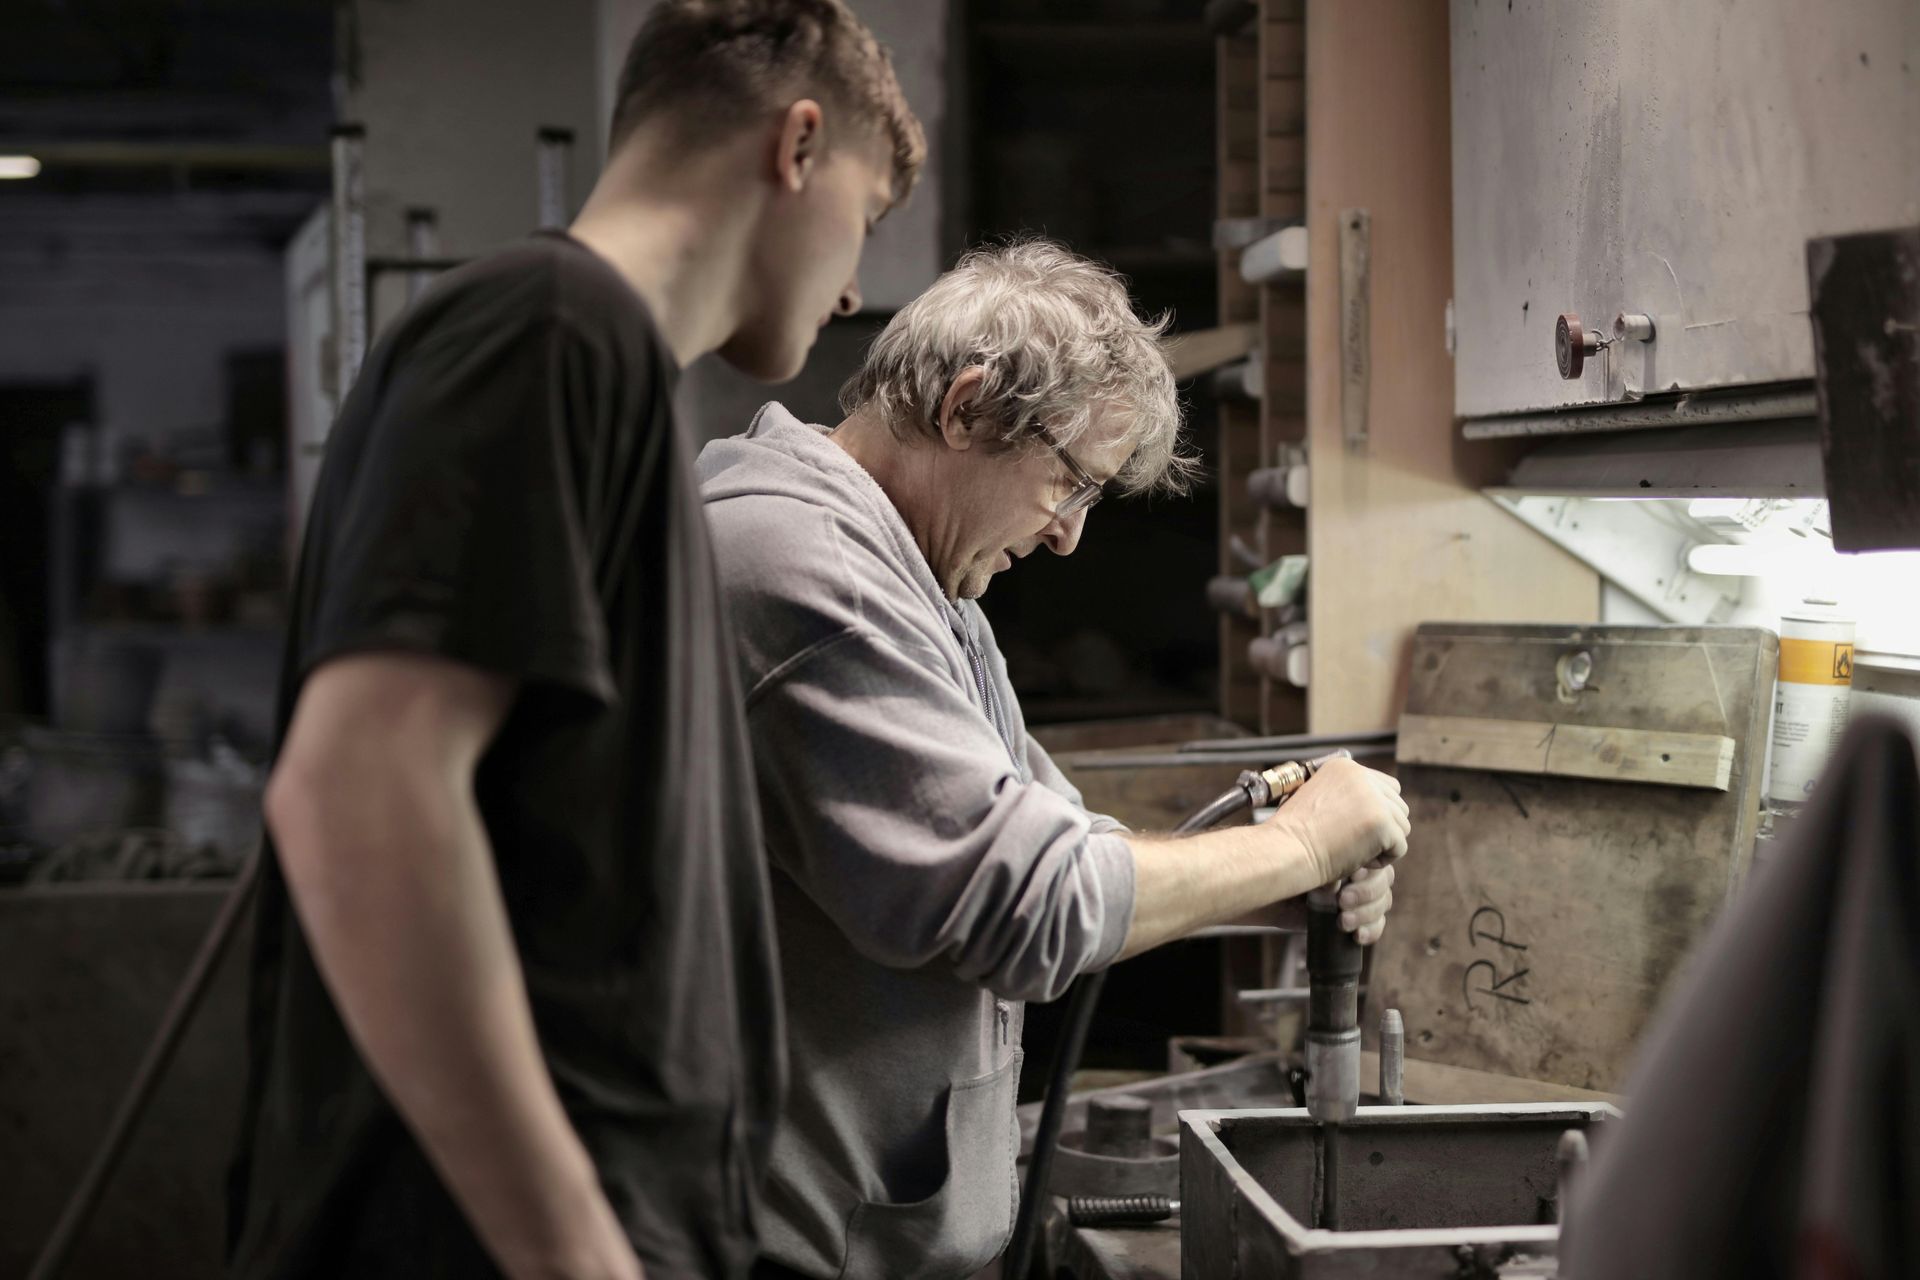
[[1540, 916]]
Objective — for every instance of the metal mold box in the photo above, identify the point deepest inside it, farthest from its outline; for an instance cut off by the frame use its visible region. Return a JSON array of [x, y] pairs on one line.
[[1428, 1192]]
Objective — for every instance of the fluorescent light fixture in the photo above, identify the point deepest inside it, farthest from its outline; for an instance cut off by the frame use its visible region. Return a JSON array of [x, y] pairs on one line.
[[19, 167]]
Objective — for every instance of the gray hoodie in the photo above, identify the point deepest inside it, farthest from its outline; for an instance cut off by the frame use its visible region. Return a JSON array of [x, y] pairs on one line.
[[932, 868]]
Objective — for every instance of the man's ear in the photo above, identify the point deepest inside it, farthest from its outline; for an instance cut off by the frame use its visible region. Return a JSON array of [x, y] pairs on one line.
[[958, 425], [802, 143]]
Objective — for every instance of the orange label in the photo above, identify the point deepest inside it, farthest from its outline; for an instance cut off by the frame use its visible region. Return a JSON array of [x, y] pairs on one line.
[[1816, 662]]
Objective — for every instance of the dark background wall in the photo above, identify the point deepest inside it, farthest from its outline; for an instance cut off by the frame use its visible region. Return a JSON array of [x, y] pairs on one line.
[[1093, 122]]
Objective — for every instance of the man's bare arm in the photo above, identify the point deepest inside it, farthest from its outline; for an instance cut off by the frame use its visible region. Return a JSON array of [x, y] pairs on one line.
[[372, 810], [1348, 821]]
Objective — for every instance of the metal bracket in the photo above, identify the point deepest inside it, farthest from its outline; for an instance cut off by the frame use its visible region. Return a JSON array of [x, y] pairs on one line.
[[1356, 354], [1641, 547]]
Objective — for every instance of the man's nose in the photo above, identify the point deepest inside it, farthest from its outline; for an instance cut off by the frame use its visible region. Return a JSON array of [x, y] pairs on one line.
[[1062, 536]]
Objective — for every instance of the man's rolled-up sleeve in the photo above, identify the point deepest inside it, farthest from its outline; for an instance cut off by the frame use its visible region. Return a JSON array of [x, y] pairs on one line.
[[1048, 774], [895, 805]]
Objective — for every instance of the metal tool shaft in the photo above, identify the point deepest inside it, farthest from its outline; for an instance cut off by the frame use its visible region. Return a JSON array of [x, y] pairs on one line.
[[1333, 1010], [1393, 1059]]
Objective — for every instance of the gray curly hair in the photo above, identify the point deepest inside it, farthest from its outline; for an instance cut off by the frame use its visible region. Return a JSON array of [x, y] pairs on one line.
[[1058, 338]]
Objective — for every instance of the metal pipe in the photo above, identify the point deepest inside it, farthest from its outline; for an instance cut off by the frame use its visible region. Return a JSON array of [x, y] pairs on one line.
[[1286, 744], [1174, 760], [348, 282], [553, 154]]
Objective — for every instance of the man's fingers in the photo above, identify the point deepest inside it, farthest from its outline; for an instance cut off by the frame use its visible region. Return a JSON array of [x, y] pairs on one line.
[[1394, 844], [1366, 884], [1369, 912]]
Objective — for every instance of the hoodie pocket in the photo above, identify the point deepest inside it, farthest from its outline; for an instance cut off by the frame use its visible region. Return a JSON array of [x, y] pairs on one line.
[[965, 1223]]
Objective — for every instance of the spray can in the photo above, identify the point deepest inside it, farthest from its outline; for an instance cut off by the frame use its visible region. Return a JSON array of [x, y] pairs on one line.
[[1810, 698]]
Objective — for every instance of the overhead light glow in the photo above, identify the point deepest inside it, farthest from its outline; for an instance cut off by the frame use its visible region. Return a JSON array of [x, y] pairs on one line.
[[19, 167]]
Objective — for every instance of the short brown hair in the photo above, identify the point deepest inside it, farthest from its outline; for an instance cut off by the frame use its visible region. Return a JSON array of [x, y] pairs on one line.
[[713, 65]]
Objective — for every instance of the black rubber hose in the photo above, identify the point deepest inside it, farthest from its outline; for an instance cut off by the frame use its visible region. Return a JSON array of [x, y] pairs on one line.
[[1081, 1001]]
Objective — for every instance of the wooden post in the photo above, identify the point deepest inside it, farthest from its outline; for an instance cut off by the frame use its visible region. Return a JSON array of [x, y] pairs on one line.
[[1400, 533]]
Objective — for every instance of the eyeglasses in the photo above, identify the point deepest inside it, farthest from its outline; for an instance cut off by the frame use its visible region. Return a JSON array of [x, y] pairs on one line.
[[1085, 493]]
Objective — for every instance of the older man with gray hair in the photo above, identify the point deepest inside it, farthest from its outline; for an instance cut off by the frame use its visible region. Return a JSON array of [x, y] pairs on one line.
[[932, 868]]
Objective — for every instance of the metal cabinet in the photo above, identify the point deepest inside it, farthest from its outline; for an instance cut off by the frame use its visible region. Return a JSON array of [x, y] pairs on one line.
[[1669, 160]]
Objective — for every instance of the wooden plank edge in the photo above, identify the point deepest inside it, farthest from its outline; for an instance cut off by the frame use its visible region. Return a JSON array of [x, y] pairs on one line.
[[1701, 761], [1437, 1084]]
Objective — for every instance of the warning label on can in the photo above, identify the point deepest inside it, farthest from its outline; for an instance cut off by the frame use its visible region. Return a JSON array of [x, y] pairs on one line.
[[1815, 662]]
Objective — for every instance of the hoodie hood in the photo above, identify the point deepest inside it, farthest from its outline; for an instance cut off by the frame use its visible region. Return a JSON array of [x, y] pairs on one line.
[[781, 456]]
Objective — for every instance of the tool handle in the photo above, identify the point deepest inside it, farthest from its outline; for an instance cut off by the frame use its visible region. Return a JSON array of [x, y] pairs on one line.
[[1119, 1211]]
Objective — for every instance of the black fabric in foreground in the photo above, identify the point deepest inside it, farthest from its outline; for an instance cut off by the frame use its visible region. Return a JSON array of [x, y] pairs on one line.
[[1773, 1121], [507, 489]]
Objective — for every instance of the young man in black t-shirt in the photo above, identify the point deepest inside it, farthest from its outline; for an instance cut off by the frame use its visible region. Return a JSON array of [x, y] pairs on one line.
[[514, 1005]]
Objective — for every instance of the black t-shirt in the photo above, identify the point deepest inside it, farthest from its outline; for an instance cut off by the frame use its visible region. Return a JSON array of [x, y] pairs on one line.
[[507, 487]]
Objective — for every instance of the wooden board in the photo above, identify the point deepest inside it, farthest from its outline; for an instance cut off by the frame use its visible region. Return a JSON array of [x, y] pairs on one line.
[[1282, 151], [1568, 750], [1400, 534], [1537, 920], [1204, 350]]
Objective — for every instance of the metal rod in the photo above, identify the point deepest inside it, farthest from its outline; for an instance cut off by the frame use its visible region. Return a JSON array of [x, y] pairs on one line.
[[160, 1050], [1393, 1059], [1176, 760], [1287, 744], [1570, 1157], [1330, 1178], [423, 244], [348, 281], [1687, 410], [553, 153], [1272, 995]]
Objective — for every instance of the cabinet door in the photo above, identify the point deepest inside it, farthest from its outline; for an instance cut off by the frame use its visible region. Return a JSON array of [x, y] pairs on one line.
[[1670, 160]]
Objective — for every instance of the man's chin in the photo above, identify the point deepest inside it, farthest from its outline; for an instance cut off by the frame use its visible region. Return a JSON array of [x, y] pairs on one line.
[[975, 585], [767, 362]]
